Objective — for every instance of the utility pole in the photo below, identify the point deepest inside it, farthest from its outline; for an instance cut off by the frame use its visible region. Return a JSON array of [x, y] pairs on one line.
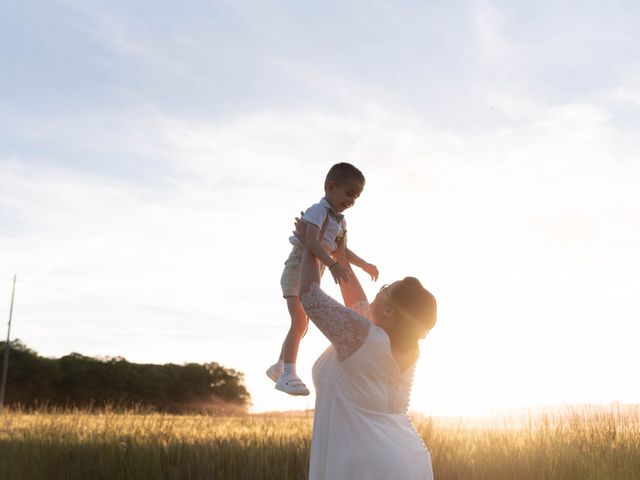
[[5, 363]]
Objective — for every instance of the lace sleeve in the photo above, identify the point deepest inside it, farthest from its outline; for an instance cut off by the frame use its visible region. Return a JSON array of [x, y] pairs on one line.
[[363, 308], [346, 329]]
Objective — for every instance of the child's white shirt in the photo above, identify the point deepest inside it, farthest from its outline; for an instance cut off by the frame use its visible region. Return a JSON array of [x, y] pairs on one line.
[[316, 215]]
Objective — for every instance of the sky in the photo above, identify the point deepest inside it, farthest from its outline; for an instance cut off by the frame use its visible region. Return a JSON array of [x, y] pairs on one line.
[[153, 157]]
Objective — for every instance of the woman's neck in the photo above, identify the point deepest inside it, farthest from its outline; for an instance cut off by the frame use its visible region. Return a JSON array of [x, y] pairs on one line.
[[404, 358]]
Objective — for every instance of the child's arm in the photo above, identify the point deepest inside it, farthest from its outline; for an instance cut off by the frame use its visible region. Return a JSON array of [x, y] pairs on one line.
[[312, 242], [352, 292], [371, 269]]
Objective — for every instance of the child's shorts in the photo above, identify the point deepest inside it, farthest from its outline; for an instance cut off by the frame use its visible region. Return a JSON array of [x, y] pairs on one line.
[[290, 280]]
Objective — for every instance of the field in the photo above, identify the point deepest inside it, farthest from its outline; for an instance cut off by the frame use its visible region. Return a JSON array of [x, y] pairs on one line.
[[572, 444]]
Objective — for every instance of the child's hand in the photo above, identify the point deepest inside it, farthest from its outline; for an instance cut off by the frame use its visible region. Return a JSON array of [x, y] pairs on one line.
[[371, 270], [339, 273]]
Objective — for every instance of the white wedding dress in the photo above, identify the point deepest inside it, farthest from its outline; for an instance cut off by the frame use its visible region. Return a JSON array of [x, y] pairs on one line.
[[360, 429]]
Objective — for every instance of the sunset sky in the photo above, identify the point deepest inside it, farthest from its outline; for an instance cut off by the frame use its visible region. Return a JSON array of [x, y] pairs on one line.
[[153, 157]]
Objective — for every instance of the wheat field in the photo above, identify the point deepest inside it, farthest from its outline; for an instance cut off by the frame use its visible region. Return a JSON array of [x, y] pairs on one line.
[[574, 444]]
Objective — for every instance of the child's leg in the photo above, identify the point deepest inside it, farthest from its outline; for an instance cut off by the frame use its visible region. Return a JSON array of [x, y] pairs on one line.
[[297, 330], [284, 372], [289, 349], [289, 381]]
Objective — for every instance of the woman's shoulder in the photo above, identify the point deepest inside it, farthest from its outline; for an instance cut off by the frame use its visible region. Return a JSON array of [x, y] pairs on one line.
[[344, 327], [377, 349], [363, 308], [378, 335]]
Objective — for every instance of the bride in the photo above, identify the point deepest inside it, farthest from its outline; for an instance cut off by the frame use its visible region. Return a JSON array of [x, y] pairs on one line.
[[363, 380]]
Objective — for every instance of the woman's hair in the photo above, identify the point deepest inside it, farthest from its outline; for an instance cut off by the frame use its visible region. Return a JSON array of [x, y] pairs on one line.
[[415, 309]]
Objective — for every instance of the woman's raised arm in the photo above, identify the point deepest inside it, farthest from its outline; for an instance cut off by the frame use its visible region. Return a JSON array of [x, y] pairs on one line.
[[352, 292], [346, 329]]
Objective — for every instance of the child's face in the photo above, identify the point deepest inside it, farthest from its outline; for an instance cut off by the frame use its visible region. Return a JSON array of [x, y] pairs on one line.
[[343, 196]]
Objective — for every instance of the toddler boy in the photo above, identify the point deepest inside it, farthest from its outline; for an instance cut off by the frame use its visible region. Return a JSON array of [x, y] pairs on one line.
[[326, 227]]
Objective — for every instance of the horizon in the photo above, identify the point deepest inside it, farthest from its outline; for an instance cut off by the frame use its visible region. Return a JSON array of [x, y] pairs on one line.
[[152, 159], [511, 413]]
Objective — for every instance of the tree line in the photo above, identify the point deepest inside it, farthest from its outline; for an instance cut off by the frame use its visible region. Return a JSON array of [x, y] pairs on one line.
[[80, 381]]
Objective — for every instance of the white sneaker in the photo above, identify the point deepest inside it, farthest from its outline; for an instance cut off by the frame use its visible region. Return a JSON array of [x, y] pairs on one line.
[[274, 373], [292, 385]]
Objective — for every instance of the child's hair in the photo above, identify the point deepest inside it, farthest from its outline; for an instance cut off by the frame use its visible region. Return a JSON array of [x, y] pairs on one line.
[[343, 172]]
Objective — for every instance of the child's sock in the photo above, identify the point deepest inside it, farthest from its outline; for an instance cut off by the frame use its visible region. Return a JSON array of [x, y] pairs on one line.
[[289, 370], [280, 365]]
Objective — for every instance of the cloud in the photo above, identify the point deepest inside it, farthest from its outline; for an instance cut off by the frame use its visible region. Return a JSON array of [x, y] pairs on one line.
[[156, 184]]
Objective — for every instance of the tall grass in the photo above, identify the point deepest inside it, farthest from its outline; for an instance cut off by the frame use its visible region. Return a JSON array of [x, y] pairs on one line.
[[575, 445]]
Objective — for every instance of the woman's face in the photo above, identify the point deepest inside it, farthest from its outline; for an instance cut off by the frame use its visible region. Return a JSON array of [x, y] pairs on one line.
[[381, 307]]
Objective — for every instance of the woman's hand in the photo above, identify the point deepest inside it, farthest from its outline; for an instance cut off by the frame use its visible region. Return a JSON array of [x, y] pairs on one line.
[[340, 255], [301, 228], [339, 273]]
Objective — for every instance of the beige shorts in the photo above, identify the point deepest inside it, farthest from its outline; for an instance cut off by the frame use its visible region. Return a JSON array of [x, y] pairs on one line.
[[290, 280]]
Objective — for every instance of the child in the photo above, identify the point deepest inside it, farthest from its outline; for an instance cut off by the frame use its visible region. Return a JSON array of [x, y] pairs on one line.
[[325, 228]]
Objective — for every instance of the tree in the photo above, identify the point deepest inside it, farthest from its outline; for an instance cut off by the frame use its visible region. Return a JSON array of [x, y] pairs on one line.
[[83, 381]]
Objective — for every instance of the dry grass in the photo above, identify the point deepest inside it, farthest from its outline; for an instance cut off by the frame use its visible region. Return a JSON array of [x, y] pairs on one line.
[[575, 444], [571, 445]]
